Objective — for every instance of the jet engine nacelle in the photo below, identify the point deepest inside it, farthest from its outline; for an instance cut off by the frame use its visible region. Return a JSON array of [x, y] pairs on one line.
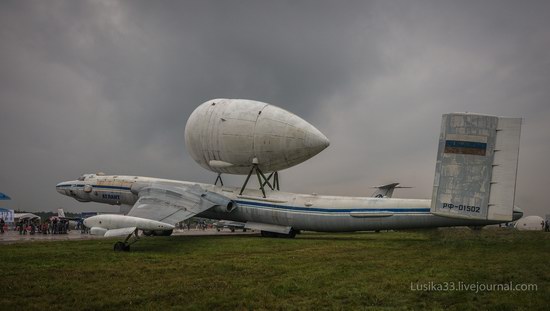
[[230, 135]]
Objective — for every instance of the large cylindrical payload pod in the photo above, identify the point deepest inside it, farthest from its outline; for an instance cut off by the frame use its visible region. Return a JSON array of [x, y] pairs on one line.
[[231, 135]]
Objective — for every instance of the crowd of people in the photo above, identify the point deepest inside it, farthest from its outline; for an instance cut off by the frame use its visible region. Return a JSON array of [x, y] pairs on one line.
[[54, 226], [35, 226], [545, 225]]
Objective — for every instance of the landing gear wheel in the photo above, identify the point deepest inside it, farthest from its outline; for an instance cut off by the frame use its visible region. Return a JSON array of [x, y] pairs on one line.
[[147, 233], [267, 234], [290, 235], [163, 232], [167, 232], [125, 246], [120, 246]]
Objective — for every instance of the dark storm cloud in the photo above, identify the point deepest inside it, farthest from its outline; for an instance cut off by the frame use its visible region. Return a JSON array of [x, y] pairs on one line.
[[103, 85]]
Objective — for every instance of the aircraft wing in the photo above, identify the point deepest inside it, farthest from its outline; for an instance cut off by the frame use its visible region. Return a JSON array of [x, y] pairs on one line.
[[172, 204]]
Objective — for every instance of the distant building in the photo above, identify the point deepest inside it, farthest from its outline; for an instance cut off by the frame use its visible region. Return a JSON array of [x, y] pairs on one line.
[[7, 215]]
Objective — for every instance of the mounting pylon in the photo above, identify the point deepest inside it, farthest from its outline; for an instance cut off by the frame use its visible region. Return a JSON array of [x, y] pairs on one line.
[[275, 176], [220, 179], [262, 180]]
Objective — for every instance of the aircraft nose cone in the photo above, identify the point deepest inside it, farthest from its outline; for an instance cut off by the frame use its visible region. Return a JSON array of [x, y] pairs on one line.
[[60, 187], [316, 140], [86, 222]]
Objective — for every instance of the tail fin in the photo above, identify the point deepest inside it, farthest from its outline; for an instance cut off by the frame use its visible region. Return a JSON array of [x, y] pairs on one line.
[[386, 191], [60, 213], [475, 174]]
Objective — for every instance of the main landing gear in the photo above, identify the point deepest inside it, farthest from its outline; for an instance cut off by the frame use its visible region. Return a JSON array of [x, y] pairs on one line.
[[125, 246], [157, 232], [290, 235]]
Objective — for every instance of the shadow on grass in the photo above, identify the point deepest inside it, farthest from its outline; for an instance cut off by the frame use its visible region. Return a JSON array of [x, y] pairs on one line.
[[367, 236], [179, 244], [192, 244]]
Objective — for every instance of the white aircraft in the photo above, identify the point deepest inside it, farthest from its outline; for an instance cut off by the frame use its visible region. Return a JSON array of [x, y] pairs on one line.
[[474, 185], [73, 221]]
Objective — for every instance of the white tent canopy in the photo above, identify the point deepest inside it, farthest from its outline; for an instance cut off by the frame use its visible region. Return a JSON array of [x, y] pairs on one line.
[[530, 223], [30, 216]]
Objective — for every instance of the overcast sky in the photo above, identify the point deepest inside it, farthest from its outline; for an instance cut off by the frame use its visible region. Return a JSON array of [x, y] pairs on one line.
[[89, 86]]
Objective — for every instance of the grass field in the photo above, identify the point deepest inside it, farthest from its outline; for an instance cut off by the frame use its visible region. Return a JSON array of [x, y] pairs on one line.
[[313, 271]]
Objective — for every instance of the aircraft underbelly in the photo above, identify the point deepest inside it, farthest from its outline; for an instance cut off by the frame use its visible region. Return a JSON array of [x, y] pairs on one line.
[[339, 222]]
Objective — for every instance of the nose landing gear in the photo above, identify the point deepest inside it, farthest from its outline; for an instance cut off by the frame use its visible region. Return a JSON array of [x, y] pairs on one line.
[[121, 246], [125, 246]]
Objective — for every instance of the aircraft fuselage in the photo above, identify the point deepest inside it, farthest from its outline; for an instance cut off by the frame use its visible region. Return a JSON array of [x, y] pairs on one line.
[[309, 212]]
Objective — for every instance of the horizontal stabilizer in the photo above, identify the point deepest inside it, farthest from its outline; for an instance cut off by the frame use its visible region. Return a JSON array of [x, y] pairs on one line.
[[475, 176], [386, 191]]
